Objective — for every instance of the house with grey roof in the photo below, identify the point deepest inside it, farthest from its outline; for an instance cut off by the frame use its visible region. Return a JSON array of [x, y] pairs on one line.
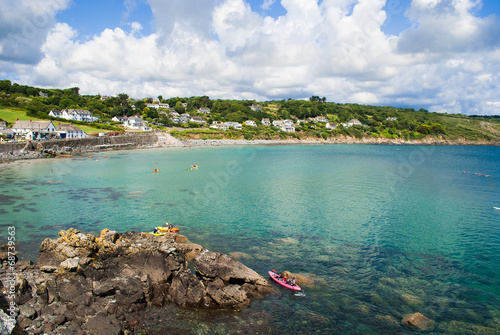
[[34, 130], [70, 131]]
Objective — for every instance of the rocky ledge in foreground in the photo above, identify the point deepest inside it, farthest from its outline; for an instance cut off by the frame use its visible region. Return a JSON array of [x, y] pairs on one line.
[[95, 284]]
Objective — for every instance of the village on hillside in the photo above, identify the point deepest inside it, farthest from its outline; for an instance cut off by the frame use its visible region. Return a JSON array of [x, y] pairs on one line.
[[44, 130], [30, 113]]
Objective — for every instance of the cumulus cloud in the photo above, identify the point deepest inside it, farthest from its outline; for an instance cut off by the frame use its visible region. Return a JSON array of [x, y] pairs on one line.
[[332, 48], [448, 26], [24, 25]]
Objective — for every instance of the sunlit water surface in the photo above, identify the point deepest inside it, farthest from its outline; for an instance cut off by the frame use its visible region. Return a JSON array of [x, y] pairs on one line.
[[383, 231]]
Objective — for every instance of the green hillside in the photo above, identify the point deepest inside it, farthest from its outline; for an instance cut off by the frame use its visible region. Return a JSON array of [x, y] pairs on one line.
[[25, 102]]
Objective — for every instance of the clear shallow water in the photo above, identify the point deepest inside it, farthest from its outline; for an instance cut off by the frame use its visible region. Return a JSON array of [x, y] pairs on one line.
[[383, 230]]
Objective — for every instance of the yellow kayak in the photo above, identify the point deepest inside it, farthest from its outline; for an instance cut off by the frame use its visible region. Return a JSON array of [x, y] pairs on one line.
[[165, 229]]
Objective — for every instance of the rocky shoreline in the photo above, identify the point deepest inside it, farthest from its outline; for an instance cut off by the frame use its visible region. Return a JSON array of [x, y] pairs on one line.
[[86, 284]]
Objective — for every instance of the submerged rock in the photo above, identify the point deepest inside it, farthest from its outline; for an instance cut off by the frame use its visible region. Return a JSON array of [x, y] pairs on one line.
[[419, 321], [122, 274]]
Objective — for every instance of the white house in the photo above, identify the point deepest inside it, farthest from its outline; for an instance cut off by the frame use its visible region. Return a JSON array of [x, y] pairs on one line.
[[135, 123], [235, 125], [55, 113], [219, 126], [288, 128], [354, 122], [153, 106], [197, 119], [317, 119], [392, 118], [285, 125], [70, 131], [265, 122], [77, 115], [204, 110], [119, 118], [34, 130], [331, 125], [158, 106], [43, 95], [250, 123], [278, 123]]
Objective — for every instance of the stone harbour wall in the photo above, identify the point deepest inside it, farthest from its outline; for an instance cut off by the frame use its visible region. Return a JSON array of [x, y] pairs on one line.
[[82, 145]]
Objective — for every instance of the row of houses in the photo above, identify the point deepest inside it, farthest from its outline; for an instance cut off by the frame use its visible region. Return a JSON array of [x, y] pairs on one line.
[[74, 114], [41, 130], [285, 125]]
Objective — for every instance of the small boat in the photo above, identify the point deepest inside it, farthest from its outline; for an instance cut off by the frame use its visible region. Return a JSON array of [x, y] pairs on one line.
[[166, 229], [281, 281], [157, 234], [156, 170], [497, 208]]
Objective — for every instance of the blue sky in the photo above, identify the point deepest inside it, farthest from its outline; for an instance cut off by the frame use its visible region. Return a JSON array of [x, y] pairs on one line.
[[442, 55]]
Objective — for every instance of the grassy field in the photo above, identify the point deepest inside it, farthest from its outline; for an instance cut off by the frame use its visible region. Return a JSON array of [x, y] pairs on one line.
[[11, 114]]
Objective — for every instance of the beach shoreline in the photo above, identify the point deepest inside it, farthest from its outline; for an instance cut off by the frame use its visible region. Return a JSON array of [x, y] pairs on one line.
[[169, 141]]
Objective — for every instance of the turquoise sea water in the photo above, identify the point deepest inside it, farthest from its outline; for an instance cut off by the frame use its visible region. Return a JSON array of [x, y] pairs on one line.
[[383, 231]]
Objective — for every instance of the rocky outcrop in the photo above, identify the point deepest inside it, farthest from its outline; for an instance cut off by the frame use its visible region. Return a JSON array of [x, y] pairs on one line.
[[97, 283]]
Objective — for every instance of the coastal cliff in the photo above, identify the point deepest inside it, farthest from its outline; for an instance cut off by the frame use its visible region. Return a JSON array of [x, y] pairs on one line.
[[99, 283]]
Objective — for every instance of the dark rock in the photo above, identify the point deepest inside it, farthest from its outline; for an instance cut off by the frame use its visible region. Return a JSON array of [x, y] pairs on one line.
[[28, 311], [22, 299], [211, 265], [42, 294], [24, 264], [23, 322], [133, 322], [49, 327], [102, 324], [51, 286], [103, 289], [191, 250], [59, 320], [186, 290], [119, 275], [72, 287], [231, 296], [111, 308]]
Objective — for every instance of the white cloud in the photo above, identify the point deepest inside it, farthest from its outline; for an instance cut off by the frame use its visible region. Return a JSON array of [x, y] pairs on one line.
[[332, 48], [266, 5], [24, 25]]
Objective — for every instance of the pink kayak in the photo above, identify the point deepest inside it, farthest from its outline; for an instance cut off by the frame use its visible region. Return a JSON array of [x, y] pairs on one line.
[[281, 281]]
